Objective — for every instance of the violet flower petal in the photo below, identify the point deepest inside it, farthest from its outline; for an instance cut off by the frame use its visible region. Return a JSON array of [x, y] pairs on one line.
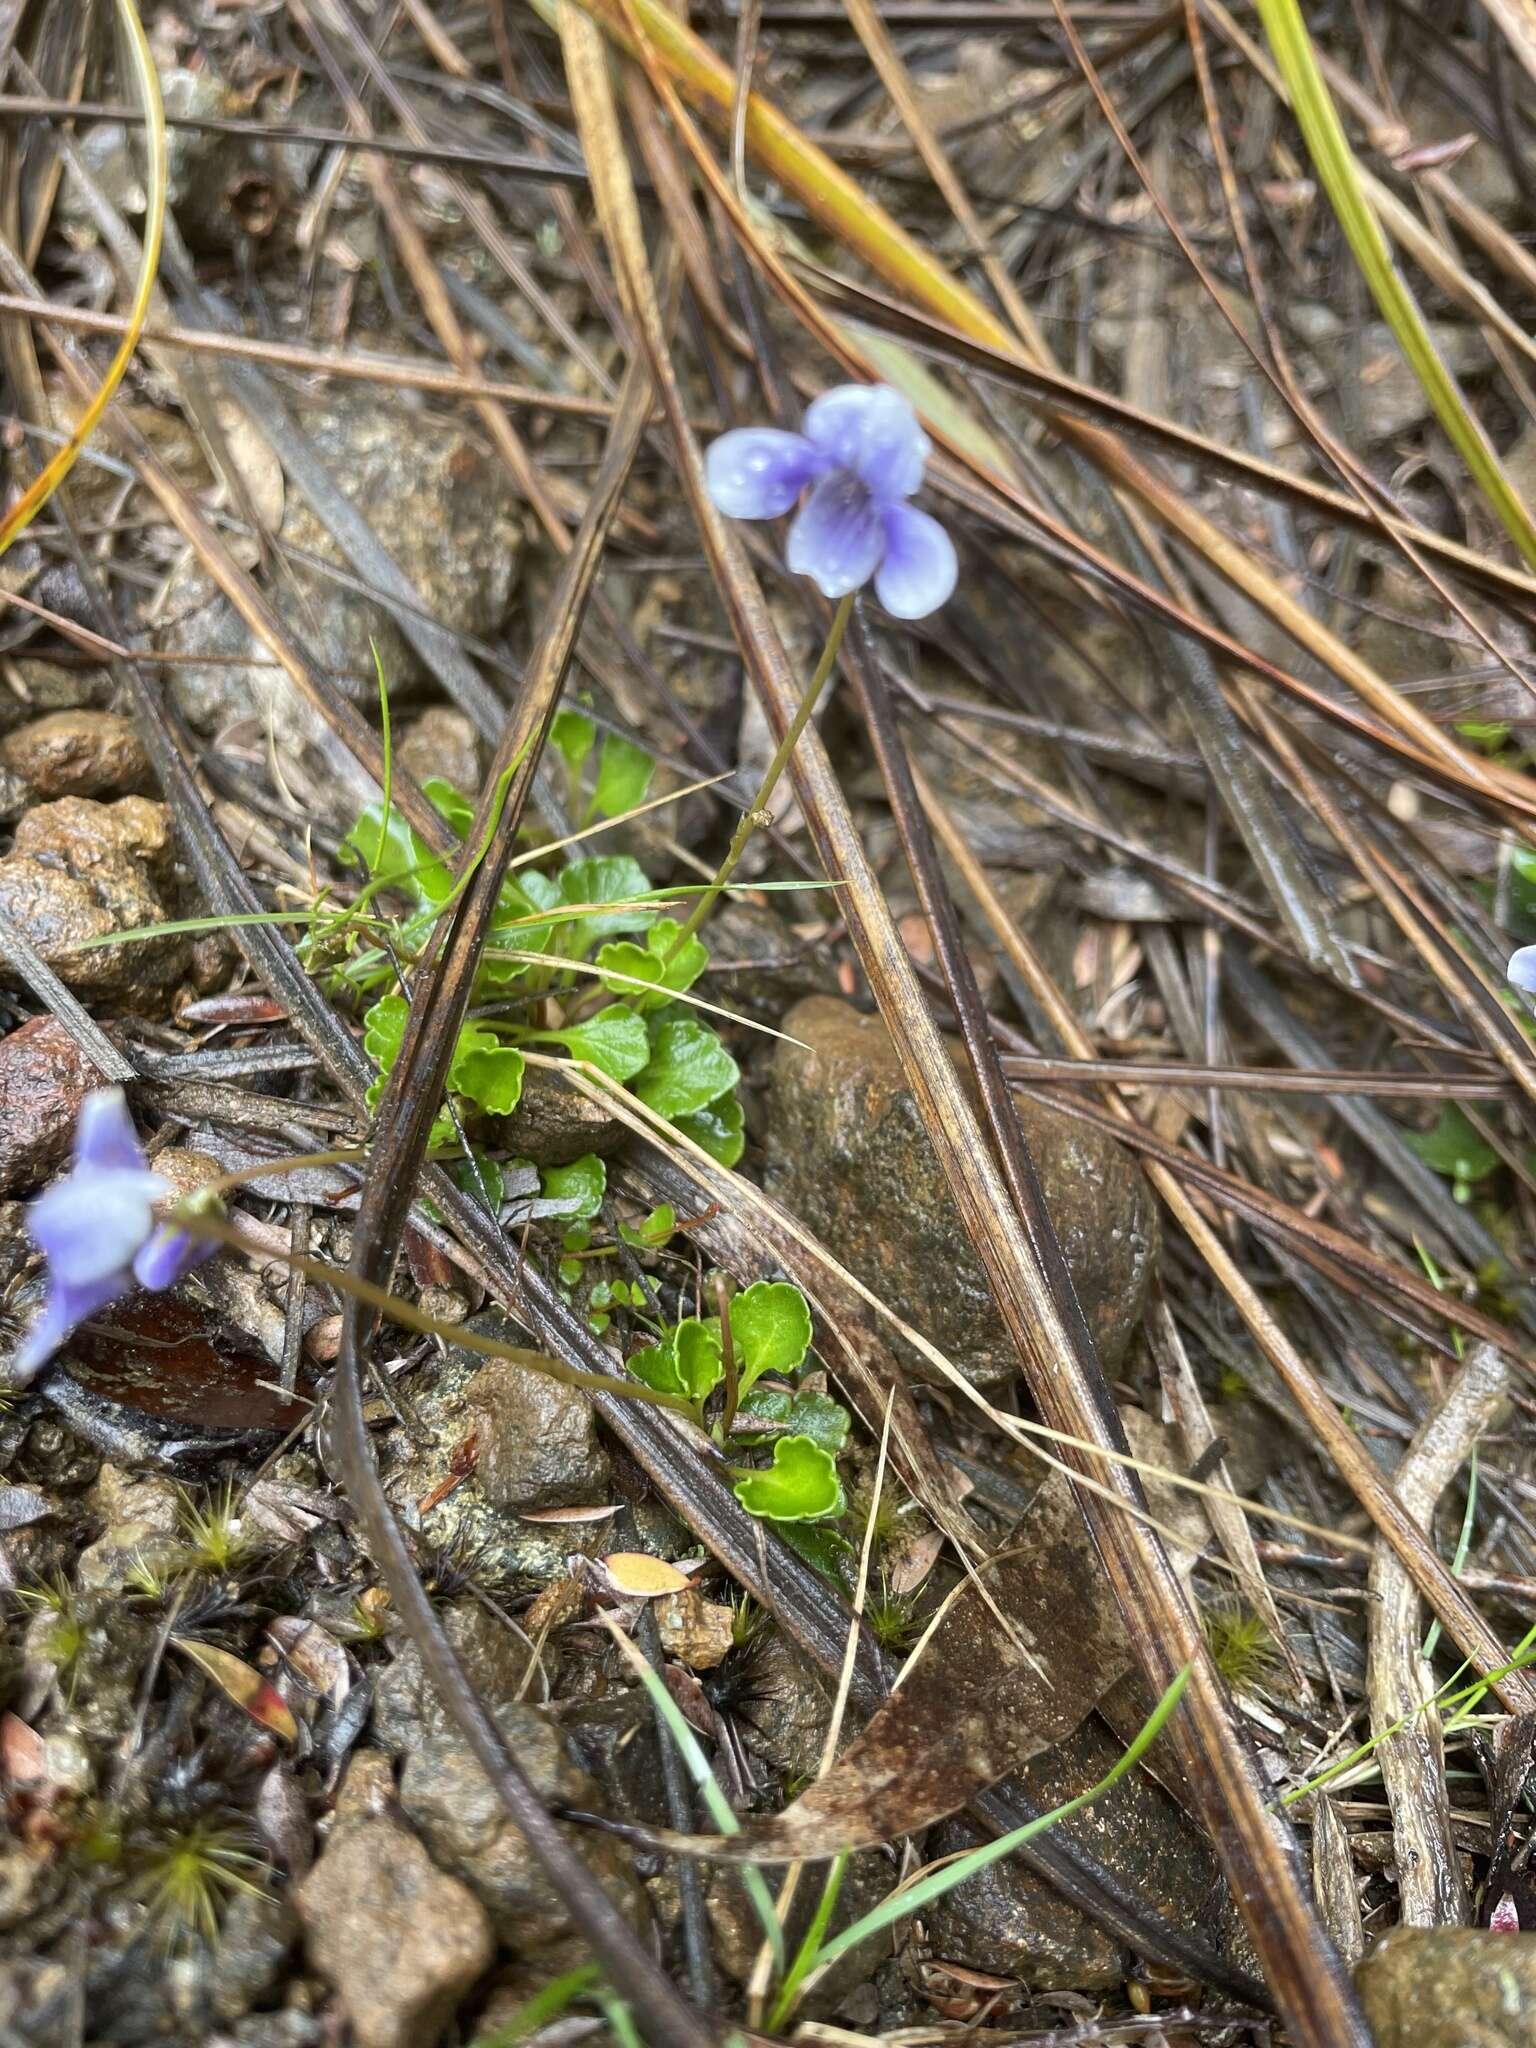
[[758, 472], [918, 569], [168, 1257], [873, 431], [1522, 969], [91, 1224], [105, 1139], [837, 538], [66, 1306]]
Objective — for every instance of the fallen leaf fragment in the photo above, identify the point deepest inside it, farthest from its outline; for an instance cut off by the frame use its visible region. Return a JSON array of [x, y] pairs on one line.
[[247, 1688], [556, 1516], [635, 1575], [315, 1656]]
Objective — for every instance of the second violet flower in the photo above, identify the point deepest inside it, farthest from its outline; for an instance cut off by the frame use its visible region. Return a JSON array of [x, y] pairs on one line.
[[861, 457], [99, 1230]]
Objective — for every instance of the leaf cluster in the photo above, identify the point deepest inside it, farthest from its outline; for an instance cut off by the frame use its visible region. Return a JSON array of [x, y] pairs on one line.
[[769, 1326]]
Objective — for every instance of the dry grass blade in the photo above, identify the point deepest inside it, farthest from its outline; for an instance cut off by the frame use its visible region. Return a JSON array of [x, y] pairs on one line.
[[1410, 1751], [1025, 1270], [1407, 1540], [142, 65]]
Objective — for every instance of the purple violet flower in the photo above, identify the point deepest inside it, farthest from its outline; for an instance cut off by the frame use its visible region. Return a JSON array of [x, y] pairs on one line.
[[862, 455], [97, 1226], [1522, 969]]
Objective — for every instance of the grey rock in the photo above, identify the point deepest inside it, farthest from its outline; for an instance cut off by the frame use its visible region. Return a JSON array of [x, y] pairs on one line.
[[790, 1712], [759, 965], [847, 1153], [406, 1709], [454, 1806], [77, 753], [25, 1882], [1138, 1833], [1450, 1987], [79, 871], [44, 1077], [738, 1933], [538, 1444], [94, 1651], [442, 509], [258, 1931], [1009, 1920], [288, 2029], [400, 1940]]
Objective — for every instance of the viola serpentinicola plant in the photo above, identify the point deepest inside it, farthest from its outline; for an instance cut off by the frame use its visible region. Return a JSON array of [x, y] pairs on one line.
[[1522, 969], [99, 1230], [861, 457]]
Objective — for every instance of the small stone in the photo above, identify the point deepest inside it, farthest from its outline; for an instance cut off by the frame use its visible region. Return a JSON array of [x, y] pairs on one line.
[[257, 1932], [696, 1631], [791, 1711], [450, 1800], [127, 1548], [78, 753], [538, 1444], [44, 1077], [67, 1763], [1450, 1987], [848, 1155], [186, 1170], [401, 1941], [80, 871], [406, 1708], [121, 1496], [442, 743], [367, 1792], [553, 1124], [23, 1875]]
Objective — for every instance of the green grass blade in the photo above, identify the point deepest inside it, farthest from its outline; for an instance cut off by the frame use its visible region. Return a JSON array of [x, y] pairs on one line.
[[1335, 164], [714, 1799]]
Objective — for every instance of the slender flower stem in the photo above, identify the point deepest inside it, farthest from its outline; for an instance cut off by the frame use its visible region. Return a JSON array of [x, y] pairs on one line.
[[758, 813]]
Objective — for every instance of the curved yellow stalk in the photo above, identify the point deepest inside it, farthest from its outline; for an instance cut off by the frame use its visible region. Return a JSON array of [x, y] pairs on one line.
[[48, 479]]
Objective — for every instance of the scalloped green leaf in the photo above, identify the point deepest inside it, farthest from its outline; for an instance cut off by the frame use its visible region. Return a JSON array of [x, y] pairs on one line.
[[770, 1330], [804, 1413], [599, 879], [624, 774], [394, 855], [450, 804], [696, 1350], [615, 1040], [654, 962], [653, 1231], [689, 1068], [801, 1485], [656, 1365], [573, 734], [1454, 1146], [582, 1184], [481, 1178], [719, 1128], [489, 1073], [383, 1030]]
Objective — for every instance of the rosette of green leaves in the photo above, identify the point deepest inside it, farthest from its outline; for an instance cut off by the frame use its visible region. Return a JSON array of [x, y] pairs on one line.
[[770, 1325]]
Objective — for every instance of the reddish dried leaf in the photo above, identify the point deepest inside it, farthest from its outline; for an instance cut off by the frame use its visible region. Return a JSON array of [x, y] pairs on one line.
[[247, 1688]]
